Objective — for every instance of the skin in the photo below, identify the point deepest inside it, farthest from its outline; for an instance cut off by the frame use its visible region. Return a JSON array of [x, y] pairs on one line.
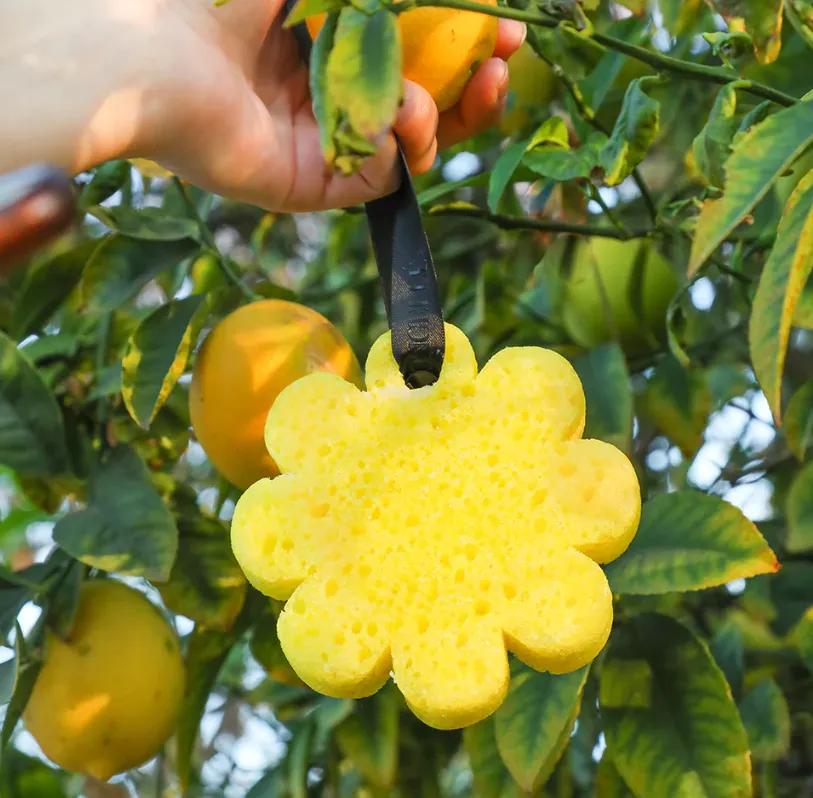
[[217, 95]]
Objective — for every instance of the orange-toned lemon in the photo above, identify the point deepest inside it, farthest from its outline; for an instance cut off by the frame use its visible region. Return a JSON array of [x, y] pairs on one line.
[[441, 47], [108, 698], [245, 362]]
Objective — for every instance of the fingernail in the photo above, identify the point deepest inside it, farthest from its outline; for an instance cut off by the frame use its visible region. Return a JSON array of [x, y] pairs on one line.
[[524, 34], [502, 91]]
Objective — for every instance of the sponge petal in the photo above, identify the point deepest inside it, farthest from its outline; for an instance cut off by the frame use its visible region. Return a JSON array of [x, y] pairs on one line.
[[603, 516], [560, 616], [452, 671], [329, 637]]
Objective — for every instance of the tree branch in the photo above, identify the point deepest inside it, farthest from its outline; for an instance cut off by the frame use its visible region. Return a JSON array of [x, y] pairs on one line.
[[541, 225], [707, 74]]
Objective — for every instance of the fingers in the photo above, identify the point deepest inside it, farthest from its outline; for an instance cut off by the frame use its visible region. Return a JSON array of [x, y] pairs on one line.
[[510, 36], [416, 127], [479, 107]]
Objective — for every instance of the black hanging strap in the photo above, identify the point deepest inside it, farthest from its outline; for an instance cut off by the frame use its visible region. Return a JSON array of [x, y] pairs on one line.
[[408, 278]]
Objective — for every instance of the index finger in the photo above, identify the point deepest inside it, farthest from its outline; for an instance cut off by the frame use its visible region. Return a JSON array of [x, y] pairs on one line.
[[510, 36]]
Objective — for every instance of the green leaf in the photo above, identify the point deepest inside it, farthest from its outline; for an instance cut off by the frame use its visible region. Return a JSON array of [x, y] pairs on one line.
[[49, 347], [205, 584], [634, 133], [533, 724], [310, 8], [609, 783], [502, 172], [12, 599], [107, 179], [363, 79], [728, 649], [599, 82], [8, 672], [122, 266], [108, 382], [47, 285], [576, 52], [271, 785], [803, 317], [759, 158], [763, 21], [491, 776], [552, 131], [712, 146], [671, 725], [28, 657], [266, 649], [585, 737], [445, 188], [126, 527], [799, 511], [158, 352], [32, 432], [606, 382], [766, 718], [150, 224], [324, 107], [802, 638], [780, 284], [678, 401], [734, 48], [299, 750], [206, 653], [327, 714], [369, 737], [562, 164], [24, 776], [689, 541], [798, 421], [800, 16], [14, 526], [63, 598]]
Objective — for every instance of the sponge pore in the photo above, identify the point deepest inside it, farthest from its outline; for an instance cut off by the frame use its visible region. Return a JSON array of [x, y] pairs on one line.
[[427, 532]]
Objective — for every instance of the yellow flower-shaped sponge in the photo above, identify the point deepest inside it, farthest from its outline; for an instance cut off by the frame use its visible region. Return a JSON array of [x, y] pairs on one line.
[[424, 532]]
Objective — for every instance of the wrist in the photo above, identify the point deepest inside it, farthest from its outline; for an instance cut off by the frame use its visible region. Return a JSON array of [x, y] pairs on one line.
[[73, 86]]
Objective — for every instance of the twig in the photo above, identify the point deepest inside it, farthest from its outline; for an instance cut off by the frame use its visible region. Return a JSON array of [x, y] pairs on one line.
[[589, 116], [687, 69], [594, 194], [209, 241], [102, 345], [542, 225]]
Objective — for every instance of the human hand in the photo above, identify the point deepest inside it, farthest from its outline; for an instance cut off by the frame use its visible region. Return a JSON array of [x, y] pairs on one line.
[[218, 95]]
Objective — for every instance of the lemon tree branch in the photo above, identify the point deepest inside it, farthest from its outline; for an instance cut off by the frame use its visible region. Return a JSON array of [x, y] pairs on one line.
[[542, 225], [707, 74]]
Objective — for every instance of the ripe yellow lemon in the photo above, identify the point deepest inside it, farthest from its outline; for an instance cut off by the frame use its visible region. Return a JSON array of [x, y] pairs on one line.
[[108, 699], [441, 47], [531, 85], [245, 362]]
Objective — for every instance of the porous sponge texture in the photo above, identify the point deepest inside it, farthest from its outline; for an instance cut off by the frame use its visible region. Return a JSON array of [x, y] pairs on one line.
[[424, 532]]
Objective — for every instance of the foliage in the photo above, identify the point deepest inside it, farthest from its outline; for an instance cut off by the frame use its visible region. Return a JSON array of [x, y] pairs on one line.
[[698, 145]]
